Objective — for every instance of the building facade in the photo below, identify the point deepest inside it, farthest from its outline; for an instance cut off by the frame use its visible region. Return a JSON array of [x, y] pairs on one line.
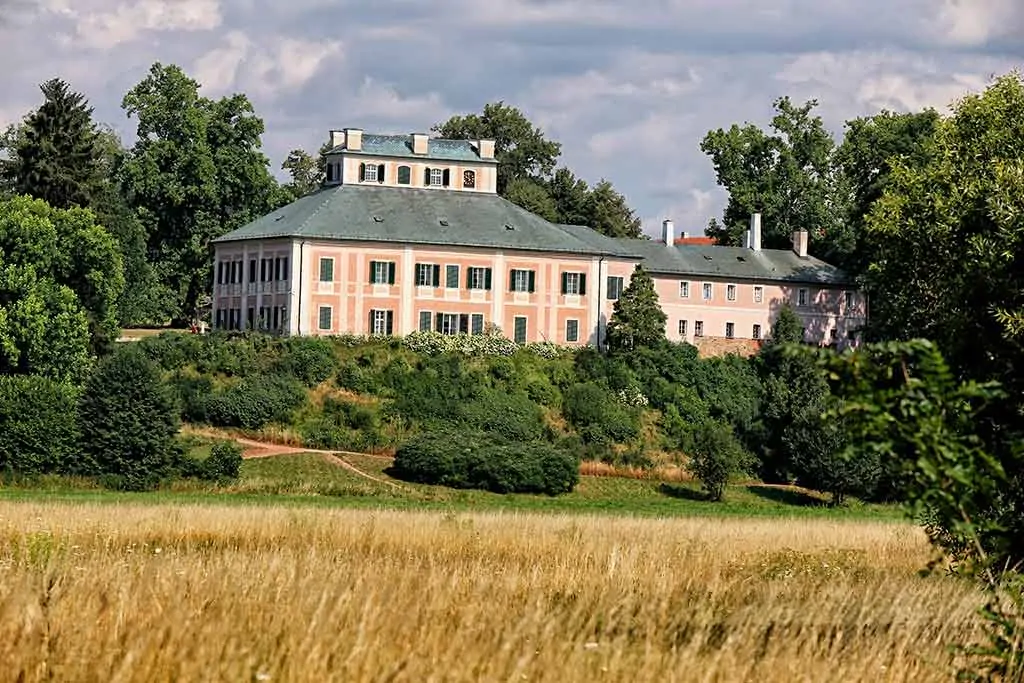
[[408, 233]]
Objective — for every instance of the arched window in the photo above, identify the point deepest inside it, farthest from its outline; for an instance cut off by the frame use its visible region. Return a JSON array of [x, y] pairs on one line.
[[404, 175]]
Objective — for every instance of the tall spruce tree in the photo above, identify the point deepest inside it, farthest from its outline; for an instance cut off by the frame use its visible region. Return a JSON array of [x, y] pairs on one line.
[[637, 318], [56, 158]]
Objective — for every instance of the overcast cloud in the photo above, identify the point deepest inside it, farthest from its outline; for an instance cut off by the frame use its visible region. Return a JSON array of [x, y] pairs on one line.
[[629, 88]]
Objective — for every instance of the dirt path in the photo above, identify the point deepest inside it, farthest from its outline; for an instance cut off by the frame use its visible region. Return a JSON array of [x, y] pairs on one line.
[[261, 449]]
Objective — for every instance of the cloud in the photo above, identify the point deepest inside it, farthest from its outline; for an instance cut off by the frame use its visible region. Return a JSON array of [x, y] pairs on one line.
[[629, 89]]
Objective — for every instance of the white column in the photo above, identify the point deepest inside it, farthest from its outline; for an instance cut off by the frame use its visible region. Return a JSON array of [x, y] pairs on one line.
[[296, 272], [407, 290], [359, 278], [499, 280], [243, 312], [595, 309]]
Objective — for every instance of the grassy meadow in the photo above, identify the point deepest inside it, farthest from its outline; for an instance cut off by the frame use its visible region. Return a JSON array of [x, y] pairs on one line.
[[157, 592]]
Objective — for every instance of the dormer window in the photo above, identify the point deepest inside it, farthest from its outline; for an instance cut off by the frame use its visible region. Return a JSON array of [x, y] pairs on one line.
[[469, 179], [436, 178]]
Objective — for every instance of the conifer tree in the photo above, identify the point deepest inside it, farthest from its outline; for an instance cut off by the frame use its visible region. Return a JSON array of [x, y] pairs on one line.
[[637, 318]]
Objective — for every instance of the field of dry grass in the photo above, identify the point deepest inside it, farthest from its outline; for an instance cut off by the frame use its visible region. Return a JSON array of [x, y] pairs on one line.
[[120, 592]]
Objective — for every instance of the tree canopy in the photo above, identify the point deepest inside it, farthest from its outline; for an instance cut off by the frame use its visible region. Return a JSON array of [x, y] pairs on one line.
[[637, 317]]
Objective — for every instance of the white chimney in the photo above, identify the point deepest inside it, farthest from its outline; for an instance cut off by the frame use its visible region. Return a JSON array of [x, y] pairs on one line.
[[485, 148], [755, 232], [337, 138], [354, 139], [684, 235], [800, 243], [668, 232], [419, 143]]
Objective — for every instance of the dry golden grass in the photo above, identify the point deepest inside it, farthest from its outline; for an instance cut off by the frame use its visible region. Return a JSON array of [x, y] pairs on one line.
[[671, 473], [176, 593]]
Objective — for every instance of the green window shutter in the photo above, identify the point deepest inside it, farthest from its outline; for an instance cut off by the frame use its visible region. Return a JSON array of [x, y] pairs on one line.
[[565, 283], [478, 323], [362, 172], [512, 280], [583, 284], [487, 278], [437, 321], [391, 273], [390, 323], [469, 278], [464, 324], [426, 176], [424, 321], [373, 271], [369, 326], [446, 178], [533, 282], [437, 276], [380, 173], [452, 277]]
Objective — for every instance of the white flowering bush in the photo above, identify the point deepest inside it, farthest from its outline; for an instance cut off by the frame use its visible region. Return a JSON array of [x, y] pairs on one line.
[[547, 350], [632, 397], [434, 343]]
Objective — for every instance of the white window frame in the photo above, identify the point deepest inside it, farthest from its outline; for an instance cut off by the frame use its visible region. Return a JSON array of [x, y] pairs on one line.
[[477, 278], [682, 328], [526, 328], [428, 270], [370, 173], [576, 335], [320, 318], [381, 272], [620, 286], [572, 284], [801, 296], [436, 177], [755, 333], [730, 292], [520, 280], [758, 294], [380, 322], [321, 264], [698, 328], [430, 321], [730, 330], [450, 324], [848, 300], [684, 289], [708, 291]]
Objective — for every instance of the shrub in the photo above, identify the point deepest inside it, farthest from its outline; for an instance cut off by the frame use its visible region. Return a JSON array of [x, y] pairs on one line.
[[310, 360], [511, 416], [128, 419], [471, 460], [193, 394], [38, 425], [256, 401], [224, 462], [717, 455], [597, 415]]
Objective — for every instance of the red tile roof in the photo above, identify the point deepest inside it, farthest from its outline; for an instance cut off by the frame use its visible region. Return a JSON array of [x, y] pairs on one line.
[[701, 241]]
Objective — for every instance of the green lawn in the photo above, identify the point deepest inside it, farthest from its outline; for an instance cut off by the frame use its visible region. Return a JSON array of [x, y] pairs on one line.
[[310, 480]]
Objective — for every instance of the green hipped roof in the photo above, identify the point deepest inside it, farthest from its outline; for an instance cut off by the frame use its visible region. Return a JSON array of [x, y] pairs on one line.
[[734, 263], [415, 216], [401, 146], [449, 218]]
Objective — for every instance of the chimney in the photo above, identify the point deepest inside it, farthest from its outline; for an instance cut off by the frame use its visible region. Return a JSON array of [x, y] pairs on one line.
[[755, 232], [419, 143], [337, 138], [354, 139], [684, 235], [800, 243], [668, 232], [485, 148]]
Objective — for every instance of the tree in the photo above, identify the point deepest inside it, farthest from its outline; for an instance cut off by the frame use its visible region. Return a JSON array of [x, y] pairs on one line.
[[786, 175], [38, 426], [60, 277], [129, 421], [637, 318], [527, 175], [787, 328], [521, 149], [717, 456], [195, 173], [864, 160], [307, 173], [55, 157]]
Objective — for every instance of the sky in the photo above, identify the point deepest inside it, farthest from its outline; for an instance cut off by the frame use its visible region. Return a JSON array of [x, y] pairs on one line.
[[628, 87]]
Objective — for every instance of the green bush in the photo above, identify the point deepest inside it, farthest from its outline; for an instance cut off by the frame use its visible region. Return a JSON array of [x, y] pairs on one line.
[[193, 393], [311, 360], [473, 460], [256, 401], [128, 419], [717, 455], [597, 414], [510, 416], [224, 463], [38, 425]]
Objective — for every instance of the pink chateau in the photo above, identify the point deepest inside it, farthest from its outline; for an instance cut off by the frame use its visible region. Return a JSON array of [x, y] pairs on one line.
[[408, 234]]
